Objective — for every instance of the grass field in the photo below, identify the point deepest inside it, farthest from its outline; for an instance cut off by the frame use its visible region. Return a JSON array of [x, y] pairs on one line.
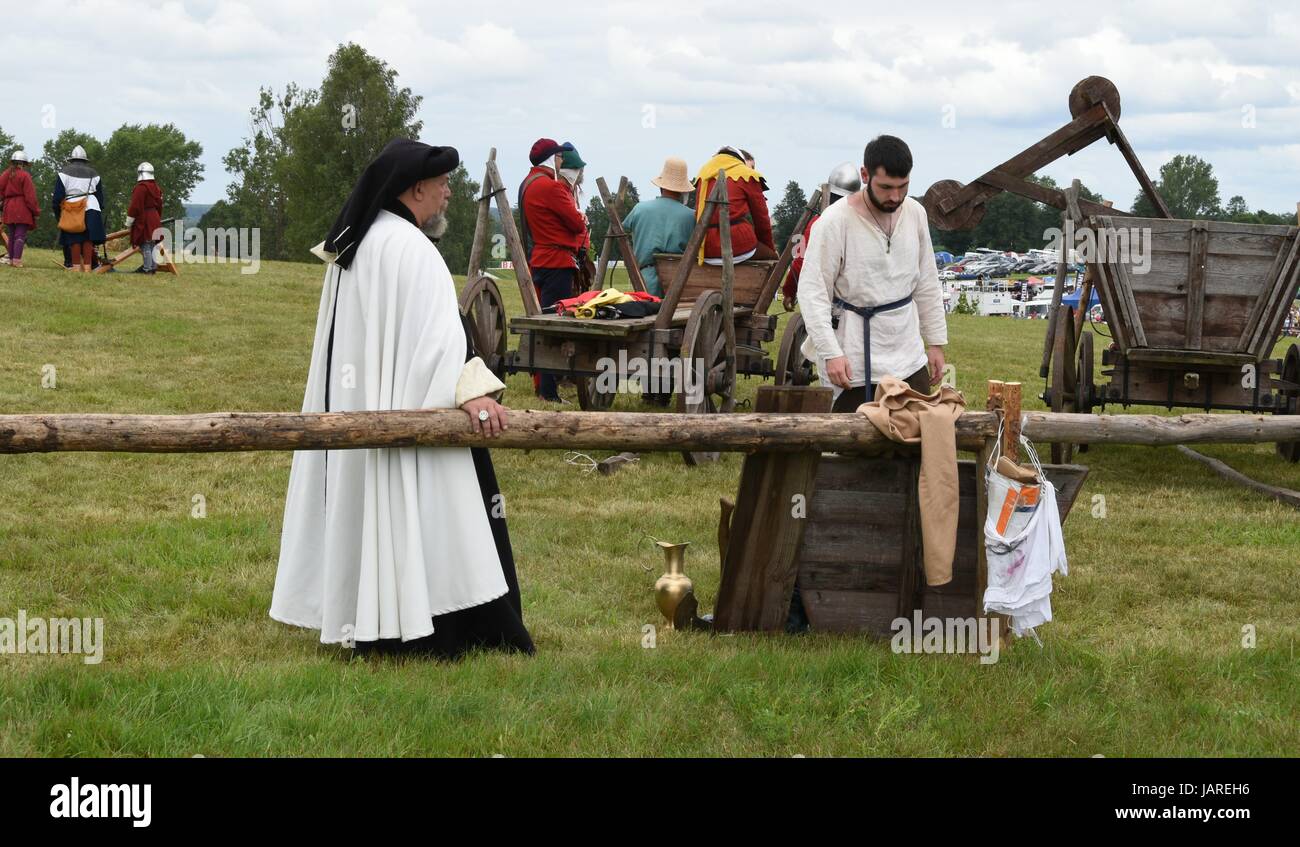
[[1145, 656]]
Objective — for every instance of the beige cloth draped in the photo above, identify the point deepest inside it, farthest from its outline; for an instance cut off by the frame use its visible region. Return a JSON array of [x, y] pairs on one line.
[[910, 417]]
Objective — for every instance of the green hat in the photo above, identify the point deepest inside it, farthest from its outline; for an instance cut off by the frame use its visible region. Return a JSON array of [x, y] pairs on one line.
[[571, 160]]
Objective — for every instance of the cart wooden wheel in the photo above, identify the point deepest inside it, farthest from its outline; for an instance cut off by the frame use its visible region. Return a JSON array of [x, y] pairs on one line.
[[1065, 383], [1289, 401], [708, 366], [592, 400], [792, 367], [482, 307]]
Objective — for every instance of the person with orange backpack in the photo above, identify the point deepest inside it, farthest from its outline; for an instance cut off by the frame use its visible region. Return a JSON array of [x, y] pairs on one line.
[[79, 199]]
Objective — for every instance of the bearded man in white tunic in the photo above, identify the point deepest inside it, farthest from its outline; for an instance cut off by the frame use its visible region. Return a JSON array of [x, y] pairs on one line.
[[398, 549], [869, 291]]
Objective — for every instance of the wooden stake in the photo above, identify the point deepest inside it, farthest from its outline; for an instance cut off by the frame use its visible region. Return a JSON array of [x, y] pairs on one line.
[[1011, 427], [617, 234]]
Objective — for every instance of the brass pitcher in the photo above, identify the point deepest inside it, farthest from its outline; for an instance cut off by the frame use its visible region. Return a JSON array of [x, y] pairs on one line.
[[674, 586]]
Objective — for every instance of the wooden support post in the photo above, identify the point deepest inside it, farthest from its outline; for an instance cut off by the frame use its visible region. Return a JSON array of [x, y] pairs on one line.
[[105, 267], [619, 236], [1068, 222], [482, 222], [1011, 416], [602, 262], [496, 188], [774, 277], [673, 293], [164, 260], [728, 282]]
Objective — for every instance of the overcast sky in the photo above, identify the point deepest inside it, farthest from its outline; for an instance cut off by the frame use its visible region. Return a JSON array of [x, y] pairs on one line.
[[801, 85]]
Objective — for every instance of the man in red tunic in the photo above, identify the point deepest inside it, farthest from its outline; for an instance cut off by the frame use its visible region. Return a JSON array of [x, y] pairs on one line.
[[20, 210], [751, 226], [554, 229], [144, 216]]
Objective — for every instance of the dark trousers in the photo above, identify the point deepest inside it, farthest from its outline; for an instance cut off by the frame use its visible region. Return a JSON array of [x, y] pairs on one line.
[[850, 400], [553, 285]]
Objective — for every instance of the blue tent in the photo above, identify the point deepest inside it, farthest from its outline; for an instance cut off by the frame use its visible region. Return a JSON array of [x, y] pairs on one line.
[[1072, 299], [943, 257]]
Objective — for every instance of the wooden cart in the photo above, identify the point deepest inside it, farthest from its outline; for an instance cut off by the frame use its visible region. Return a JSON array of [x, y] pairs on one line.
[[711, 325], [1194, 327]]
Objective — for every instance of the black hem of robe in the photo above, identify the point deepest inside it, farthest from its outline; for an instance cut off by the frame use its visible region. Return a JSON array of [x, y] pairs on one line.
[[495, 625]]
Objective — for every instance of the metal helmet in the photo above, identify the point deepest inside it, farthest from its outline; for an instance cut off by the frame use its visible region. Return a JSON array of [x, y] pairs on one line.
[[78, 154], [145, 171], [844, 180], [20, 156]]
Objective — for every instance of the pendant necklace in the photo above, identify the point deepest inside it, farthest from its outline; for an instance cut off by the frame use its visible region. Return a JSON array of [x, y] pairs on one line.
[[889, 236]]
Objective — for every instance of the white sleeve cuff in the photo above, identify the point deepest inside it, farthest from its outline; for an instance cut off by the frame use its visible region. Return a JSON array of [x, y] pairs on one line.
[[476, 381]]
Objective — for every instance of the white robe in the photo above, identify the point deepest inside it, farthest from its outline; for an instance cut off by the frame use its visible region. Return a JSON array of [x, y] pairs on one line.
[[377, 542]]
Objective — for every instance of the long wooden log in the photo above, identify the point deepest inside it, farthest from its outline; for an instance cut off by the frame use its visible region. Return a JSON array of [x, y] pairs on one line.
[[636, 431]]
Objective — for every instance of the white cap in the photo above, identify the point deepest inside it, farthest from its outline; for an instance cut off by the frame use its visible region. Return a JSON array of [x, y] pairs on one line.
[[19, 156]]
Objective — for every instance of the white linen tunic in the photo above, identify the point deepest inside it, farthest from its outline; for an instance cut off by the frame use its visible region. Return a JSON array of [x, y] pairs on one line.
[[846, 258]]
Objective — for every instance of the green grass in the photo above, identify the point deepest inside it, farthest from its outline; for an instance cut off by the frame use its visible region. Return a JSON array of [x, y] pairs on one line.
[[1145, 656]]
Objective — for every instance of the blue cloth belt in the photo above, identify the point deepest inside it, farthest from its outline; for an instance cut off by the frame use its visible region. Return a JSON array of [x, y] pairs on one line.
[[867, 313]]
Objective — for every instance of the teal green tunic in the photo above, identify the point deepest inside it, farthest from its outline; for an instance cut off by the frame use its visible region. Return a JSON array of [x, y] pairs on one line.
[[660, 225]]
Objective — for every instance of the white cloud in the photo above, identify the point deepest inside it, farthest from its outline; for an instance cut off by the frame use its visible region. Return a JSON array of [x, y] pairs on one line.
[[802, 86]]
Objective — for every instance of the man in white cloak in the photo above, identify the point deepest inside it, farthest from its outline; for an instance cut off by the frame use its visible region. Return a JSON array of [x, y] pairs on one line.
[[398, 549]]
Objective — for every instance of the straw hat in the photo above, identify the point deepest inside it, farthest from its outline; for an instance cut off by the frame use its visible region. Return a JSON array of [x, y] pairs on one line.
[[673, 176]]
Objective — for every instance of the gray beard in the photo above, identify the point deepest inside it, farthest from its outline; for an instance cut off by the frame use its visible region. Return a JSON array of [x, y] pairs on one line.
[[435, 227]]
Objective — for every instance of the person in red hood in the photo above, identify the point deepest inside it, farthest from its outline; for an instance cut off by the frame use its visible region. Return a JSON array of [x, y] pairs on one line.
[[554, 230], [144, 216], [20, 209]]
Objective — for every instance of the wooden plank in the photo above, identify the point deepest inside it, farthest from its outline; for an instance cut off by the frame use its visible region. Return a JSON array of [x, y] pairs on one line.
[[1281, 260], [1190, 357], [851, 611], [1124, 293], [602, 263], [1120, 140], [766, 531], [1042, 194], [1074, 136], [1277, 297], [523, 274], [793, 399], [1196, 284], [775, 275], [482, 220]]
